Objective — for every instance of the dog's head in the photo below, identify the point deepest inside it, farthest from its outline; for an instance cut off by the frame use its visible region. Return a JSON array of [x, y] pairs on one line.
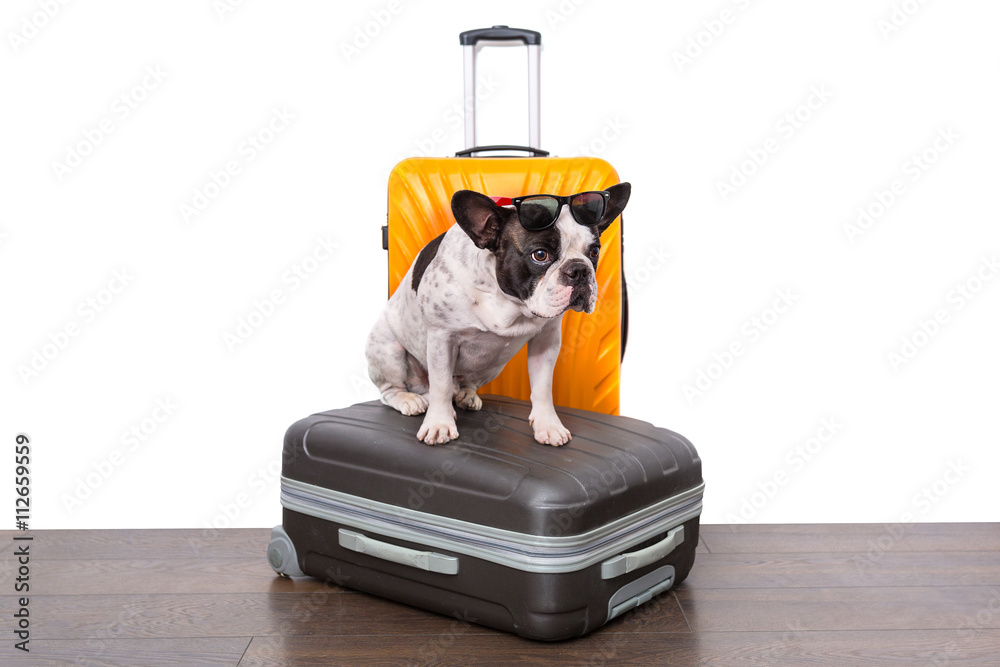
[[550, 271]]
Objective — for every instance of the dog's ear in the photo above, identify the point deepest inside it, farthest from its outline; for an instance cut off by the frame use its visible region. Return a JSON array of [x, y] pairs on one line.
[[480, 217], [616, 204]]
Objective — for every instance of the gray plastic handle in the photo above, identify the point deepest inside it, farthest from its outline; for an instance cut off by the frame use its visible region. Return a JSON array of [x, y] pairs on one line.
[[422, 560], [619, 565]]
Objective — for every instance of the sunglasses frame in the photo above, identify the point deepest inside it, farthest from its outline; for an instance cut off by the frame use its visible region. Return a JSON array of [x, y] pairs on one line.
[[516, 201]]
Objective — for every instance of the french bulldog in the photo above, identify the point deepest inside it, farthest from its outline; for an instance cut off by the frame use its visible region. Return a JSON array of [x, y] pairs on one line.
[[478, 293]]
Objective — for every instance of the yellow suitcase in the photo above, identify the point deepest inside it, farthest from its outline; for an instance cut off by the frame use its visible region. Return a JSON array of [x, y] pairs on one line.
[[420, 189]]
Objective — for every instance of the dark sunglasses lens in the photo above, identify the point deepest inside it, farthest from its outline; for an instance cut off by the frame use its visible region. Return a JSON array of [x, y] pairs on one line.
[[538, 212], [588, 208]]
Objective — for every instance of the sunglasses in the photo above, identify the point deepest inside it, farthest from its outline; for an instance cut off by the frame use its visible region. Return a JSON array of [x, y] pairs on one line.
[[538, 212]]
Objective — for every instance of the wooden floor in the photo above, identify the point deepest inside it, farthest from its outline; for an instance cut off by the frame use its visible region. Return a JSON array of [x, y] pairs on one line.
[[767, 595]]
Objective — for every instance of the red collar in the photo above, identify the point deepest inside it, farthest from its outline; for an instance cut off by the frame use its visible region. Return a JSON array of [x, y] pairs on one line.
[[502, 201]]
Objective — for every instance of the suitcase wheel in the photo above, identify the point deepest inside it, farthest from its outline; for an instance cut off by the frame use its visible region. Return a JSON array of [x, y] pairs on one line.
[[281, 554]]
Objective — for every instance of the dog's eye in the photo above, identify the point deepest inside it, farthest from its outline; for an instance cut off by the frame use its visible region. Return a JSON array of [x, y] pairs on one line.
[[540, 256], [595, 252]]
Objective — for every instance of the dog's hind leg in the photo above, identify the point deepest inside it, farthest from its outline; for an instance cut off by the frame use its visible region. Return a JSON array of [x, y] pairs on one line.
[[467, 398], [390, 369]]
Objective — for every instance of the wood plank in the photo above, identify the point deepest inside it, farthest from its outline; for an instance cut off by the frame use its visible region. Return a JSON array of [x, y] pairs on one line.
[[658, 618], [826, 595], [130, 652], [850, 538], [224, 615], [329, 611], [817, 609], [942, 568], [594, 649], [228, 615], [150, 576], [896, 649], [147, 543]]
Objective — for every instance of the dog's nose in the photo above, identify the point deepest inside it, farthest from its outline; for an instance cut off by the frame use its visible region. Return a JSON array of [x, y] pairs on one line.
[[576, 272]]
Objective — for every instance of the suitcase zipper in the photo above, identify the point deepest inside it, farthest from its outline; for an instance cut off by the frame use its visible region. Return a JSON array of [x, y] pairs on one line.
[[521, 551]]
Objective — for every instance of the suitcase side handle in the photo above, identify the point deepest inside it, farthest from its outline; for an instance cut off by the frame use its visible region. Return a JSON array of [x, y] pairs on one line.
[[619, 565], [422, 560]]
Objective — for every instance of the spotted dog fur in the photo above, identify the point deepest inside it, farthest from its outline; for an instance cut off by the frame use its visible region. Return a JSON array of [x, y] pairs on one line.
[[472, 298]]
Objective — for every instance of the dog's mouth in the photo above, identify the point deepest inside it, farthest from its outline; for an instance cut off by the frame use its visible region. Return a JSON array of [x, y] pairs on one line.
[[582, 299], [557, 304], [580, 303], [558, 299]]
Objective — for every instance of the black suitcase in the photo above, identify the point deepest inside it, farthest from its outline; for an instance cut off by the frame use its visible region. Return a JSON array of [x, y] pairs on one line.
[[547, 542]]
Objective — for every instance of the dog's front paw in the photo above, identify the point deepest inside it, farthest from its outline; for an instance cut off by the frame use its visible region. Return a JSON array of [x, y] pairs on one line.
[[468, 399], [406, 402], [437, 431], [550, 431]]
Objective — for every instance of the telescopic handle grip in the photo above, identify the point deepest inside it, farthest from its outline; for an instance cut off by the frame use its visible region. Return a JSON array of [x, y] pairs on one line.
[[535, 152], [500, 33]]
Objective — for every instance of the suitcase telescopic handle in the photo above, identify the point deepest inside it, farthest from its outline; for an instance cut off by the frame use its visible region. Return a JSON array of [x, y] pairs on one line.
[[472, 41], [619, 565]]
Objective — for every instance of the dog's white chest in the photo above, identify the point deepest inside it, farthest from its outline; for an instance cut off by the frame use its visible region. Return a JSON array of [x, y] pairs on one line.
[[496, 314]]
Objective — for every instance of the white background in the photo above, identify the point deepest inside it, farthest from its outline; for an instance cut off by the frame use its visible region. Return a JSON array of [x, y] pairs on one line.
[[679, 97]]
